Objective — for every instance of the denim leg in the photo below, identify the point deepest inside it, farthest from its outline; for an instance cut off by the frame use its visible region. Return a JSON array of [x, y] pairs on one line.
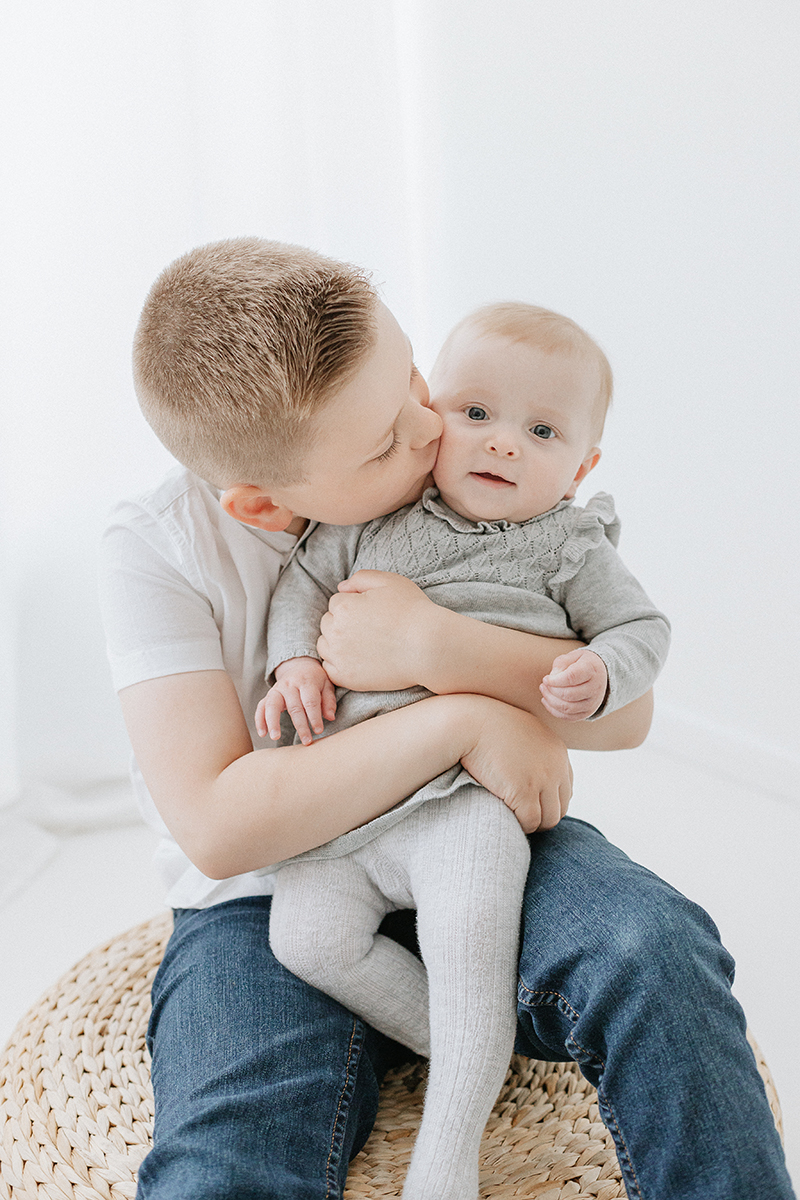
[[625, 975], [264, 1087]]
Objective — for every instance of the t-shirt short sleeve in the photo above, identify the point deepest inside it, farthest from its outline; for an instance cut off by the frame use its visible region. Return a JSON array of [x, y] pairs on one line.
[[157, 623]]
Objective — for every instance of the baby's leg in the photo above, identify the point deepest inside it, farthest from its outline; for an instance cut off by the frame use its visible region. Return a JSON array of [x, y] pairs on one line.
[[468, 873], [325, 914]]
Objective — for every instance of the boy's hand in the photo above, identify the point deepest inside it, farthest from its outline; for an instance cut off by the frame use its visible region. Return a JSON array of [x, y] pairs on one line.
[[576, 685], [518, 759], [303, 689], [374, 629]]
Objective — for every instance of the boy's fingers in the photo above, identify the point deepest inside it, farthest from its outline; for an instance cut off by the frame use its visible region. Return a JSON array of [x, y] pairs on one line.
[[363, 580], [551, 808], [529, 815], [360, 582]]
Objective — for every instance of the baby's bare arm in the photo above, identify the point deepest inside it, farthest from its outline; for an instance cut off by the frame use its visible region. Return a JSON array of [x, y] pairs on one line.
[[383, 633]]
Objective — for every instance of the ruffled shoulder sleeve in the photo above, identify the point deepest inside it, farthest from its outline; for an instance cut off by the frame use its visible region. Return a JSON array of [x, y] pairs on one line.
[[590, 526]]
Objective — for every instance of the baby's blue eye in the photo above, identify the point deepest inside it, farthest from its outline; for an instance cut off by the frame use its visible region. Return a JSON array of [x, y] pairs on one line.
[[543, 431], [476, 413]]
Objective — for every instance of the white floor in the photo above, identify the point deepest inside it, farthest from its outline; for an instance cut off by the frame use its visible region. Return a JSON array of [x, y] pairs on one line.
[[731, 849]]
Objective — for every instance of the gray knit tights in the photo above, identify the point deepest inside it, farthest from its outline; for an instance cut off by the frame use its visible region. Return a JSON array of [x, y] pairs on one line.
[[462, 863]]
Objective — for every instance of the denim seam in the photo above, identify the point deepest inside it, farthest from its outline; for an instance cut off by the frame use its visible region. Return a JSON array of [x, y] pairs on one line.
[[622, 1148], [573, 1012], [346, 1092], [611, 1124]]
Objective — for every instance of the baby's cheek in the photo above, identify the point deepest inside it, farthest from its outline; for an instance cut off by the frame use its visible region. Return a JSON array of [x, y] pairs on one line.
[[442, 475], [448, 458]]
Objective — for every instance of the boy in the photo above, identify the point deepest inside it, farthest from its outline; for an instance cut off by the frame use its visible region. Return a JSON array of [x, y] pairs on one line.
[[264, 1087], [523, 394]]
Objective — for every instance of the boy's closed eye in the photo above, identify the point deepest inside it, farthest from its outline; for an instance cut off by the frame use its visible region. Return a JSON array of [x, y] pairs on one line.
[[392, 449]]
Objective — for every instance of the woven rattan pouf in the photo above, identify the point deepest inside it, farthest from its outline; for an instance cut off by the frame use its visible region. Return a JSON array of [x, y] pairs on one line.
[[76, 1107]]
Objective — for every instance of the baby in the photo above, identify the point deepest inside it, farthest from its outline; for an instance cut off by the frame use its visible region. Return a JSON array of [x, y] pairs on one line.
[[522, 393]]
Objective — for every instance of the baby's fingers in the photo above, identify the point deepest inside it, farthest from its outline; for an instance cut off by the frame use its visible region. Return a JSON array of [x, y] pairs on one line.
[[573, 703], [303, 706], [268, 715], [565, 711], [328, 700], [311, 698], [261, 723], [567, 660], [571, 693], [576, 674], [295, 709]]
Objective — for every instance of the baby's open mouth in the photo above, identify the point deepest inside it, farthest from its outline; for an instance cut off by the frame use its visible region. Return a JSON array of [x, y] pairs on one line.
[[488, 477]]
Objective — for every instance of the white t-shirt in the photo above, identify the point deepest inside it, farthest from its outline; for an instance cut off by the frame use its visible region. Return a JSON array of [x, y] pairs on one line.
[[185, 587]]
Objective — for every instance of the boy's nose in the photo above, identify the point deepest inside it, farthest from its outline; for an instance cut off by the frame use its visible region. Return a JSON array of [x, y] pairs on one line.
[[427, 429]]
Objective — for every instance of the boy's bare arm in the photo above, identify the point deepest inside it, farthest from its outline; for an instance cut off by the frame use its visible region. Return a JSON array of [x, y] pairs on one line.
[[383, 633], [463, 653], [234, 809]]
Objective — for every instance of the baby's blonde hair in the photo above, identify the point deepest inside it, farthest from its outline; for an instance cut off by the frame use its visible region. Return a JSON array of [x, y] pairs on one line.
[[239, 345], [547, 330]]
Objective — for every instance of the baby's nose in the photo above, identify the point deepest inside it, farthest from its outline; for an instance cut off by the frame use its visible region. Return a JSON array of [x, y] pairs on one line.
[[506, 447]]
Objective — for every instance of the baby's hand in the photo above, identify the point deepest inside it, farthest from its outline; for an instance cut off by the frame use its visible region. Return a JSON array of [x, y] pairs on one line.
[[302, 689], [576, 685]]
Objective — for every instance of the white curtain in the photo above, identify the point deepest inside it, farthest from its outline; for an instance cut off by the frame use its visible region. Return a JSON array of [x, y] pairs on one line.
[[9, 773], [632, 165]]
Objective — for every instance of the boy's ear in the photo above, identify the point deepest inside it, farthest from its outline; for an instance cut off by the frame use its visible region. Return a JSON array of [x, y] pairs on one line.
[[252, 506], [588, 464]]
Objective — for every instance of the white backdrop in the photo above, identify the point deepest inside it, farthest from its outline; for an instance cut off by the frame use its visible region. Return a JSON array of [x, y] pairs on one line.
[[635, 166]]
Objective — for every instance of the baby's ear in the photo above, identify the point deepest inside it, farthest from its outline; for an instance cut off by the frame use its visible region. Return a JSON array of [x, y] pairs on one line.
[[253, 506], [588, 464]]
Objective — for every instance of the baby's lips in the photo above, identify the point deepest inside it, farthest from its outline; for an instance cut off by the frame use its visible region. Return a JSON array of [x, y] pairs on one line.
[[491, 475]]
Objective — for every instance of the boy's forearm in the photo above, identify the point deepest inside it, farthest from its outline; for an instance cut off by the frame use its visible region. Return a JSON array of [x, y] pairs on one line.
[[298, 797], [233, 809], [623, 729], [461, 654]]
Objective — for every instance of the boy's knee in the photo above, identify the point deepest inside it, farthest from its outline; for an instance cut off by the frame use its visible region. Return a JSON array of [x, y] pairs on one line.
[[669, 931], [666, 937], [642, 939]]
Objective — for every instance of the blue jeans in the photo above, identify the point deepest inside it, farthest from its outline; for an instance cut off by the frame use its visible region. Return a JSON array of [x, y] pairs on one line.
[[265, 1088]]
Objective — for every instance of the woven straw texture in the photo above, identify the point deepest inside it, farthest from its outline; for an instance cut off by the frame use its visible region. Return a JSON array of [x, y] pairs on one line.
[[76, 1108]]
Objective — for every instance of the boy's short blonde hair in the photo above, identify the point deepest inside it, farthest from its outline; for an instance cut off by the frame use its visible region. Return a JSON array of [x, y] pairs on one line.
[[547, 330], [239, 345]]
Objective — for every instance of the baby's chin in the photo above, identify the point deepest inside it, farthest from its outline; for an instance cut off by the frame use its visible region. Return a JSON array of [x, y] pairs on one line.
[[499, 504], [496, 513]]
